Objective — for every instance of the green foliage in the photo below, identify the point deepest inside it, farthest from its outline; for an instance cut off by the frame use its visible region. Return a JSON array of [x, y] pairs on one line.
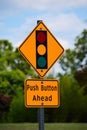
[[71, 99], [81, 48], [19, 113], [20, 63], [11, 59], [73, 104], [83, 113], [67, 61], [13, 68], [76, 58], [10, 81], [5, 52], [13, 71]]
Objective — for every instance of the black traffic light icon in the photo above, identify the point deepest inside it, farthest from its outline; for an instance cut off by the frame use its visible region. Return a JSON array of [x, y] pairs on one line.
[[41, 49]]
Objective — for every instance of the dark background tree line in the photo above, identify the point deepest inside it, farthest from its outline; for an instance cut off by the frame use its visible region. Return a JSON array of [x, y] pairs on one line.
[[73, 85]]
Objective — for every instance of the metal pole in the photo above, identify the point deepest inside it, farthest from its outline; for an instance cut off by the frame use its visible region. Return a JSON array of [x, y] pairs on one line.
[[40, 110], [41, 118]]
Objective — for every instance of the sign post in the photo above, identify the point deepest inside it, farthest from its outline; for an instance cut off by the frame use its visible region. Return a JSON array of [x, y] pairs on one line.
[[41, 50], [41, 118], [40, 110]]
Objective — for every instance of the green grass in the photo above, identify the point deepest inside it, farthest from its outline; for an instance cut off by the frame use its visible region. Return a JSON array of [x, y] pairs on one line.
[[48, 126]]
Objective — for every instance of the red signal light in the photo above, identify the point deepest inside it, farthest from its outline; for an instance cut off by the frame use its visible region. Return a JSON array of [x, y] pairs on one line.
[[41, 37]]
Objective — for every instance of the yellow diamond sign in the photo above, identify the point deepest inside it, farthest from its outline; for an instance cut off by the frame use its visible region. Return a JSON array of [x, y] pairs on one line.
[[41, 49]]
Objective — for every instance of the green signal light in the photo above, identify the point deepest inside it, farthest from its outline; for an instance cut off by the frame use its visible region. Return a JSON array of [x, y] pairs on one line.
[[41, 62]]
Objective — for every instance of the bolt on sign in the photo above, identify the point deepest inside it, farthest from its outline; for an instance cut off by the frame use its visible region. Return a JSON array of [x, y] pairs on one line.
[[41, 49], [42, 93]]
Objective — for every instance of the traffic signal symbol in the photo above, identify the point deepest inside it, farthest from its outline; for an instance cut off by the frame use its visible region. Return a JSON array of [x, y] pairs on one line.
[[41, 49]]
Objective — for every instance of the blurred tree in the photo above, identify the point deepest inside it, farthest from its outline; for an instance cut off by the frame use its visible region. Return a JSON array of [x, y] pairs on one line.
[[4, 106], [76, 59], [11, 59], [81, 56], [6, 50], [81, 50], [73, 103], [13, 71], [71, 100], [19, 113], [68, 62], [10, 81], [13, 68], [20, 63]]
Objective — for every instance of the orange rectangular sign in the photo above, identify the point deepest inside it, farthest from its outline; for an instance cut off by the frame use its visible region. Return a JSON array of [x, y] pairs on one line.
[[42, 93]]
